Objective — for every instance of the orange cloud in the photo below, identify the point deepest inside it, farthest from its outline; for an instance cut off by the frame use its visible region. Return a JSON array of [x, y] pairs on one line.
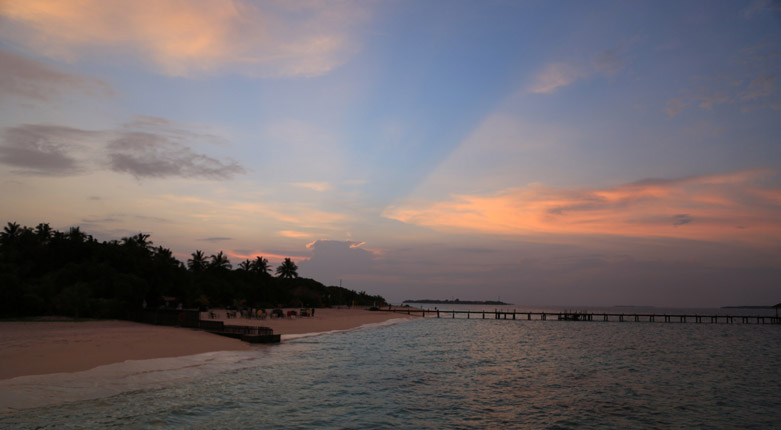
[[192, 37], [716, 207], [294, 234]]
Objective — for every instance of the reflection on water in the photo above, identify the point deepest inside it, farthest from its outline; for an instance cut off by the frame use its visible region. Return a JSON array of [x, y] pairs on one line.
[[468, 374]]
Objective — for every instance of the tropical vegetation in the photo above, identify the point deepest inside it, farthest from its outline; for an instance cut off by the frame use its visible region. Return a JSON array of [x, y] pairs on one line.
[[48, 272]]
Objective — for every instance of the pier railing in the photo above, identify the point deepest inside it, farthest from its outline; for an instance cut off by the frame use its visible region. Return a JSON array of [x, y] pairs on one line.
[[589, 316]]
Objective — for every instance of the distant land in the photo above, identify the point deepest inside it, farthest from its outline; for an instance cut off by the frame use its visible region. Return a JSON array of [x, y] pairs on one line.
[[458, 302], [634, 306], [747, 307]]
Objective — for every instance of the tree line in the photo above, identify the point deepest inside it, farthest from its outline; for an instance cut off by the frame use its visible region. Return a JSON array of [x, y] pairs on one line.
[[48, 272]]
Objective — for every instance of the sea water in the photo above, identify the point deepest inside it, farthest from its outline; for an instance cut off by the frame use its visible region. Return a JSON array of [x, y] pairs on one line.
[[438, 373]]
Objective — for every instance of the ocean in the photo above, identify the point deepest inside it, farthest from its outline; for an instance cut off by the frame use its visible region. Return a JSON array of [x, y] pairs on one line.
[[438, 373]]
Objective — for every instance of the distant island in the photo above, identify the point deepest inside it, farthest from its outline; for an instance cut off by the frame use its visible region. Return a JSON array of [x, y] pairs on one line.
[[748, 307], [458, 302]]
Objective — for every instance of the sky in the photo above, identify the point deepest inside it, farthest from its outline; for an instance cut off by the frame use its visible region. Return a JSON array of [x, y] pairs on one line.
[[562, 153]]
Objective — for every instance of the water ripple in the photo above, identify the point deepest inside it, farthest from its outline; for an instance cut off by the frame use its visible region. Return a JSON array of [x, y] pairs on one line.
[[467, 374]]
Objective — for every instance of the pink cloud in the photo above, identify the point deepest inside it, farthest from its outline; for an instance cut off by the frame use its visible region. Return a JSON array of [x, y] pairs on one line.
[[194, 37], [732, 206]]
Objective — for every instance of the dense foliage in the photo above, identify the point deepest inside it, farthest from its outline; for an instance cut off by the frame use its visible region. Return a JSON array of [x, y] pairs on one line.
[[48, 272]]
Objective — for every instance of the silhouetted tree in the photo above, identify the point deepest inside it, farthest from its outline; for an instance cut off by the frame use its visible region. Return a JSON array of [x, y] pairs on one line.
[[287, 269], [220, 261], [10, 233], [140, 240], [48, 272], [260, 265], [77, 236], [198, 262], [44, 232]]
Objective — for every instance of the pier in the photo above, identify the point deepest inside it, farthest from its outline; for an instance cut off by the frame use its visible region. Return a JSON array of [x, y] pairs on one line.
[[590, 316]]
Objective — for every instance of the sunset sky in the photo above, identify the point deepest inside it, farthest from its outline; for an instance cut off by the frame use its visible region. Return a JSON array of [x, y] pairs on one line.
[[541, 152]]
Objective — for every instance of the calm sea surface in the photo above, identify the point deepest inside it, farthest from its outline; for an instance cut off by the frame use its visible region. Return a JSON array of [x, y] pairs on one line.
[[440, 373]]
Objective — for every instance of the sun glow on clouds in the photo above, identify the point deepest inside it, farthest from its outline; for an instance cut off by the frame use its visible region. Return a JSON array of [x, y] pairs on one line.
[[716, 208], [193, 37], [294, 234]]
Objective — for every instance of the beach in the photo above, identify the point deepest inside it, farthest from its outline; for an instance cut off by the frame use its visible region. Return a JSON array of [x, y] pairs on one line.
[[432, 372], [44, 347]]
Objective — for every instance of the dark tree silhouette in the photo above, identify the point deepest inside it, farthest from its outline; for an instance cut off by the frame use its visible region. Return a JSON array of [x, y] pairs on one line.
[[140, 240], [220, 261], [10, 233], [287, 269], [44, 232], [198, 262], [76, 235], [260, 265], [49, 272]]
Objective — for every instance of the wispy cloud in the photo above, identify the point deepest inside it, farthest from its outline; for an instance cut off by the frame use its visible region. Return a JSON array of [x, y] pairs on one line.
[[314, 186], [294, 234], [555, 75], [751, 85], [198, 37], [44, 149], [151, 155], [703, 207], [56, 150], [214, 239], [758, 7], [35, 80]]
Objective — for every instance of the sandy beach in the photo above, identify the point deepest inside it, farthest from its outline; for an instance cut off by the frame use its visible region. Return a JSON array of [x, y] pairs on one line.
[[37, 348]]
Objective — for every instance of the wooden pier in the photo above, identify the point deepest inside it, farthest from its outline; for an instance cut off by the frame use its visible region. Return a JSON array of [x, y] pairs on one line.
[[590, 316]]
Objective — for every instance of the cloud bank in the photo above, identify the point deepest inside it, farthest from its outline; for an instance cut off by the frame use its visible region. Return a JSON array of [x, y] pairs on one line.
[[193, 37], [334, 259], [741, 206]]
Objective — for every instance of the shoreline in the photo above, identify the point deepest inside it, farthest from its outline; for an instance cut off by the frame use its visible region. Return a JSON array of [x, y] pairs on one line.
[[30, 348]]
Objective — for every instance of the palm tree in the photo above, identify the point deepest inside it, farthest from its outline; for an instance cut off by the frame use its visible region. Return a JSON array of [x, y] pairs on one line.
[[220, 261], [198, 262], [141, 240], [245, 265], [163, 253], [44, 232], [287, 269], [76, 235], [260, 265], [10, 233]]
